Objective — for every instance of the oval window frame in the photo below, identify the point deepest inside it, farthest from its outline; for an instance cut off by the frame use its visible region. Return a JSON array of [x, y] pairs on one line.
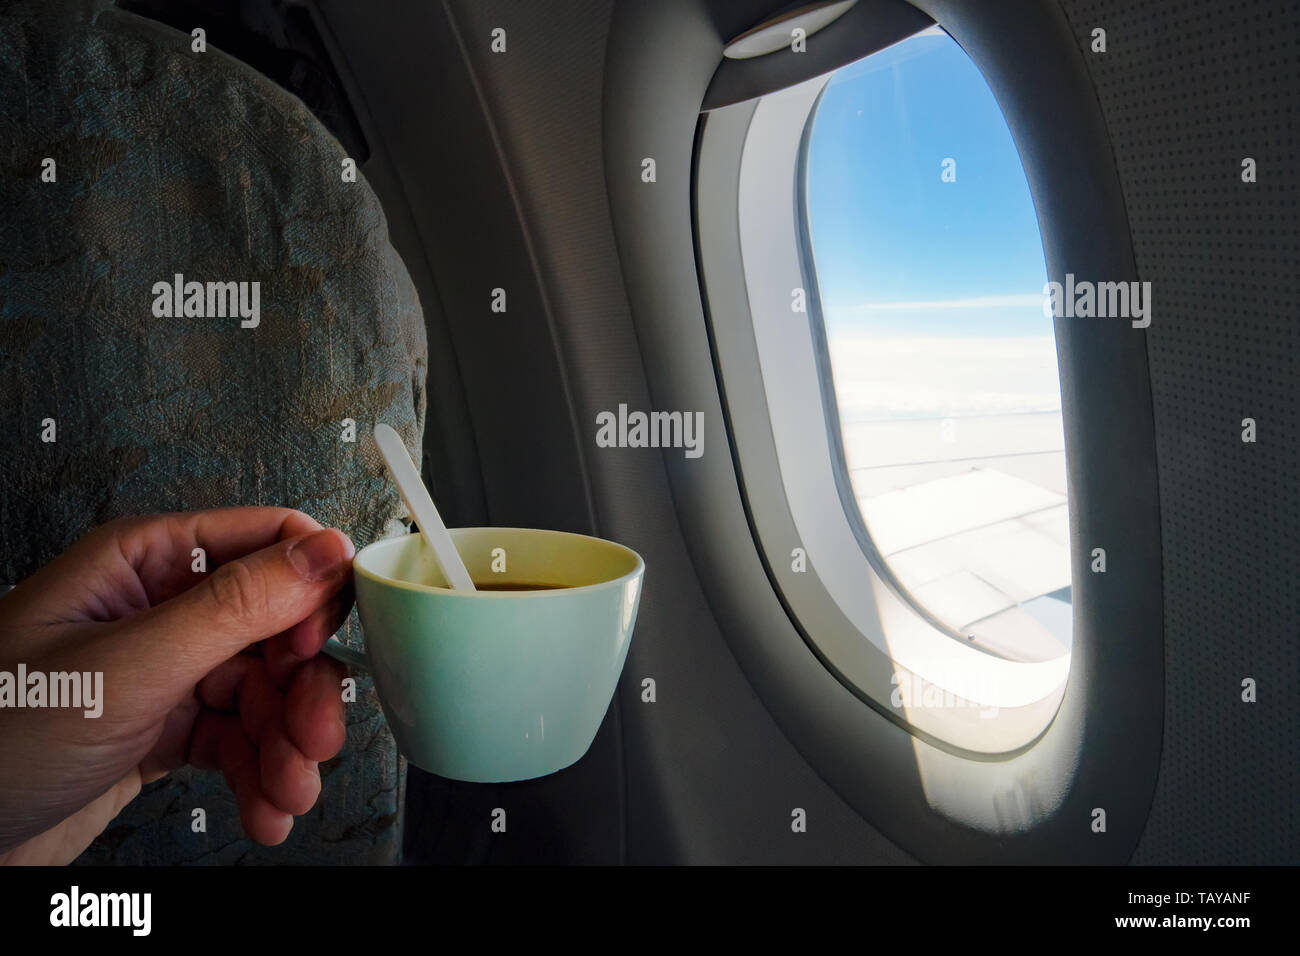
[[1103, 747]]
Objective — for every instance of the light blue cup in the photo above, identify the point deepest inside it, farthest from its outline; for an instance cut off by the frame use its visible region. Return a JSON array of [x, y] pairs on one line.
[[495, 685]]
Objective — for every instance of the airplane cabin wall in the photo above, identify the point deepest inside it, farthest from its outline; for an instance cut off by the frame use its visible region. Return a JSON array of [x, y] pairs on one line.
[[704, 774]]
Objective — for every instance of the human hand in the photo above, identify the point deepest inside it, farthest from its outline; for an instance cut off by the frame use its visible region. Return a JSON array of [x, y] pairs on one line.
[[218, 669]]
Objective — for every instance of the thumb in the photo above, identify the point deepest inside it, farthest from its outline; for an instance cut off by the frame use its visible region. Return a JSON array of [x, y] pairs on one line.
[[242, 602]]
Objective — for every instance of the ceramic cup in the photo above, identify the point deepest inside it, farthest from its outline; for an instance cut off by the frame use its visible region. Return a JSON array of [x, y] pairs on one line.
[[494, 686]]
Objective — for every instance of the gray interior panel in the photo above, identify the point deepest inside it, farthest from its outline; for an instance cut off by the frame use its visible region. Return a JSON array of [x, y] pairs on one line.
[[1189, 89], [867, 26], [522, 169], [706, 743]]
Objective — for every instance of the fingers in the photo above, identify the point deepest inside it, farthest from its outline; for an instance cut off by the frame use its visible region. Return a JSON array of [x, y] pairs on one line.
[[128, 565], [219, 689], [244, 601], [303, 641], [220, 743], [313, 713], [286, 777], [161, 549], [269, 751]]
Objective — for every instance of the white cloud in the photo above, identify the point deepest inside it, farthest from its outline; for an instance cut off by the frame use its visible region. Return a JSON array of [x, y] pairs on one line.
[[937, 305], [923, 377]]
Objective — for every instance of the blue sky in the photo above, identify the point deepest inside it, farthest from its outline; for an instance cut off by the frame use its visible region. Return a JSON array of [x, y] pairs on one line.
[[898, 251]]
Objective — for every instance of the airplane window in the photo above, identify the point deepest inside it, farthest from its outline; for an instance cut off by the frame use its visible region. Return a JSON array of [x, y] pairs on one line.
[[929, 272], [874, 275]]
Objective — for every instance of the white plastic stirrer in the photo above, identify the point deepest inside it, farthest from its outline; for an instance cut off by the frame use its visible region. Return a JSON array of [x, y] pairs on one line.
[[421, 506]]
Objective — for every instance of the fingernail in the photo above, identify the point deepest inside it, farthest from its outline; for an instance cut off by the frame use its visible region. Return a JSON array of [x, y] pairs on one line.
[[319, 555]]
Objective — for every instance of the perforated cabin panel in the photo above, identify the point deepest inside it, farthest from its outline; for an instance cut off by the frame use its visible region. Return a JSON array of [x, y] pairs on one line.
[[1189, 89]]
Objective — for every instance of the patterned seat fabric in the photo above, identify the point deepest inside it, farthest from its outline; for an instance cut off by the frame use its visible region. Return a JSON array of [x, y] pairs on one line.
[[169, 161]]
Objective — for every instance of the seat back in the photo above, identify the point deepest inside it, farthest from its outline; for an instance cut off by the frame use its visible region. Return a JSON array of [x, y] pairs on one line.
[[129, 159]]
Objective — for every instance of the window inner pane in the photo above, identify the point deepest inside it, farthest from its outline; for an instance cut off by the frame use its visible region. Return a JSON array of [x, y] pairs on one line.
[[930, 271]]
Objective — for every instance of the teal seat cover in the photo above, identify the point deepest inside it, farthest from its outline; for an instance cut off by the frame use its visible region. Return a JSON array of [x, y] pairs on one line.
[[168, 161]]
